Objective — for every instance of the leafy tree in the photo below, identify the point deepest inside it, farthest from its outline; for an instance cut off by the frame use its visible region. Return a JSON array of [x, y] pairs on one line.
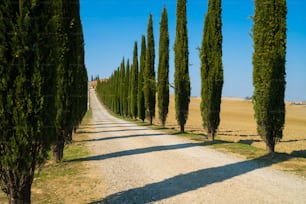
[[134, 83], [181, 75], [149, 74], [27, 75], [269, 58], [140, 97], [211, 68], [163, 69]]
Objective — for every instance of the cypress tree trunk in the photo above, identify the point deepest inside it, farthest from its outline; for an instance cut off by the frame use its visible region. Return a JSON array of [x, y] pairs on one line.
[[22, 195], [181, 75], [211, 68], [58, 147], [163, 70], [269, 35]]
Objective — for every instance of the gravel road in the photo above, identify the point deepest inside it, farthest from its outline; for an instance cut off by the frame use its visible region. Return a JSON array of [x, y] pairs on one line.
[[138, 165]]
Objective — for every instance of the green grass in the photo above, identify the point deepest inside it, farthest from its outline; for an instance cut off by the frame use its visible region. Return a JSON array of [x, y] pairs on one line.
[[56, 174], [54, 177]]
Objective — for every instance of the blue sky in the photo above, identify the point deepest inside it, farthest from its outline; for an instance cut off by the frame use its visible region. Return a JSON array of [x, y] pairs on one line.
[[112, 26]]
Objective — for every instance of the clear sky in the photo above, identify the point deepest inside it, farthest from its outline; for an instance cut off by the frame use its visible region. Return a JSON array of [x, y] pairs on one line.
[[112, 26]]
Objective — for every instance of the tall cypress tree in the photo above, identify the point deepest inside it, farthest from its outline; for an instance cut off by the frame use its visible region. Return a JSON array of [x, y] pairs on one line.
[[62, 80], [181, 75], [269, 35], [134, 83], [78, 85], [149, 74], [211, 68], [163, 69], [26, 84], [140, 97], [122, 88], [126, 85], [69, 63]]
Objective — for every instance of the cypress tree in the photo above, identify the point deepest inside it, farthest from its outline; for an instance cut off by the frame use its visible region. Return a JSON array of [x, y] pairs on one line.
[[113, 92], [134, 83], [79, 85], [149, 74], [69, 61], [211, 68], [126, 85], [181, 75], [26, 84], [269, 36], [122, 88], [62, 110], [163, 69], [140, 96]]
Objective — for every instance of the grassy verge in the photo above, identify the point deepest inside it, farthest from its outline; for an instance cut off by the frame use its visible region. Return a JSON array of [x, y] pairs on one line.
[[65, 182]]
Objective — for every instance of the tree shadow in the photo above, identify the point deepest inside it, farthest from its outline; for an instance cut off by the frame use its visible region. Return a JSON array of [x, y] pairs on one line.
[[121, 137], [137, 151], [111, 125], [235, 133], [248, 142], [100, 131], [188, 182], [300, 153], [289, 141]]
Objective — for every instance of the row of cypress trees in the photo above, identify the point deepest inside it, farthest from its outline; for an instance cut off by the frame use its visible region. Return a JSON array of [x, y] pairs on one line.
[[43, 87], [269, 35], [131, 89]]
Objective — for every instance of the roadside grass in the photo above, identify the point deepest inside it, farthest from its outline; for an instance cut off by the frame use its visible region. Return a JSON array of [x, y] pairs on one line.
[[56, 181], [64, 182]]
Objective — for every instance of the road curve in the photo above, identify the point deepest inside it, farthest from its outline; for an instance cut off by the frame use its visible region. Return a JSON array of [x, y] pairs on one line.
[[139, 165]]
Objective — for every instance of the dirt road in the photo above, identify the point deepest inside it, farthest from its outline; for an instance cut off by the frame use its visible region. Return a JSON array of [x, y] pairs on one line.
[[139, 165]]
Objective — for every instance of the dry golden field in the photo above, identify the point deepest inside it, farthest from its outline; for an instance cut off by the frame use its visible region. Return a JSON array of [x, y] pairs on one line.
[[238, 123]]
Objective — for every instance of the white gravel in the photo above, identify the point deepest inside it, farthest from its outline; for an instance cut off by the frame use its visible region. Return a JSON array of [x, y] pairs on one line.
[[139, 165]]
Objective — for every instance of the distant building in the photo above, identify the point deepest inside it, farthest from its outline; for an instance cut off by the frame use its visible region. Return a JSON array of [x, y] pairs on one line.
[[93, 84]]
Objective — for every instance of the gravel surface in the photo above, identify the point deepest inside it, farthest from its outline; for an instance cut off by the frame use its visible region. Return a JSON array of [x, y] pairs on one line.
[[139, 165]]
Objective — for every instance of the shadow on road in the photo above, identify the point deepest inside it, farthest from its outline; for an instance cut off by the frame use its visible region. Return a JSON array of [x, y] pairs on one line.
[[121, 137], [137, 151], [188, 182], [100, 131]]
